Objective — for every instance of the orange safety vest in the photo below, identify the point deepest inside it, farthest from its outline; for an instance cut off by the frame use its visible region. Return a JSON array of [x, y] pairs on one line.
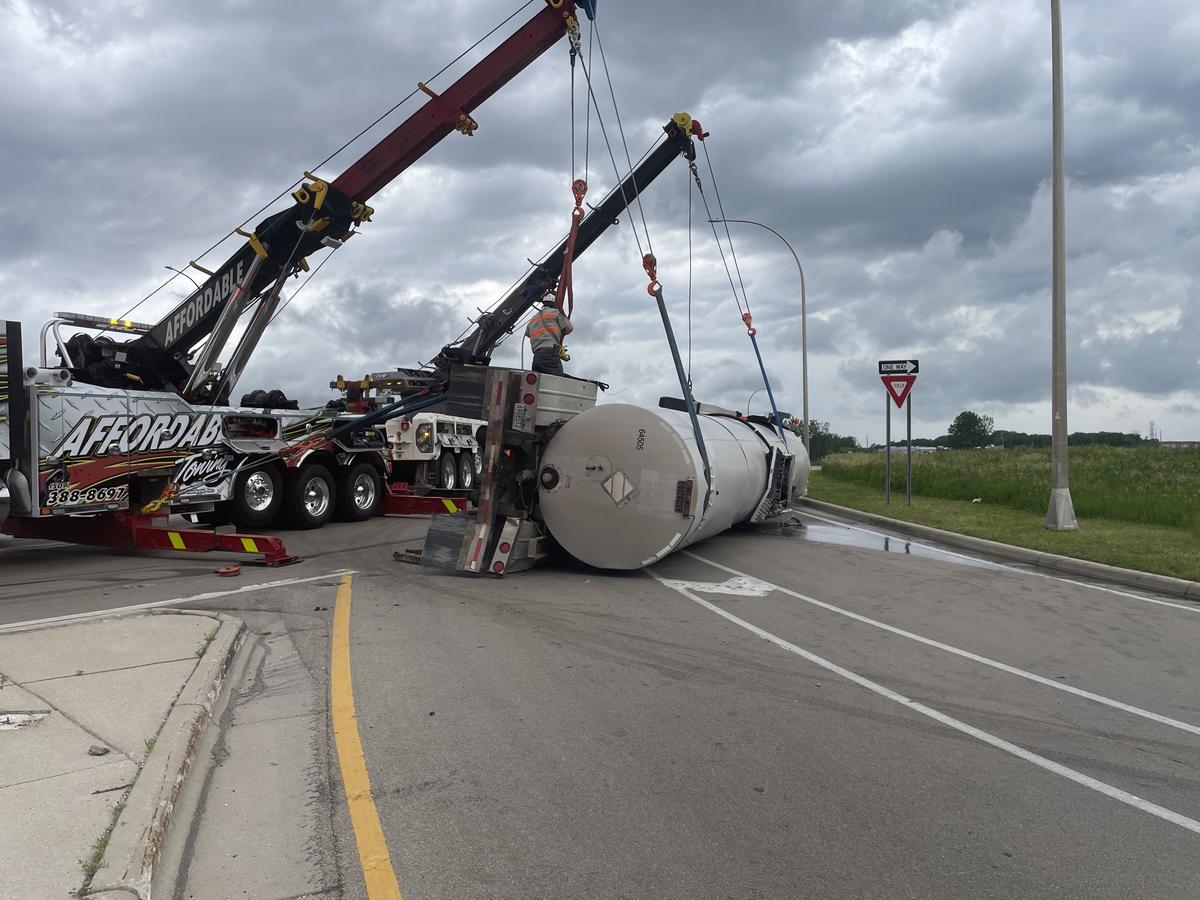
[[544, 325]]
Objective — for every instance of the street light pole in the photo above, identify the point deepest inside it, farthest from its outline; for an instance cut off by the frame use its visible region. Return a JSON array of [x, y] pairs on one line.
[[184, 274], [1061, 514], [803, 316], [750, 399]]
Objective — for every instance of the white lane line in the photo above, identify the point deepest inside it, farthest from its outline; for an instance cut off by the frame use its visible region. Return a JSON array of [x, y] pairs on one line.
[[999, 743], [1000, 565], [965, 654], [211, 595]]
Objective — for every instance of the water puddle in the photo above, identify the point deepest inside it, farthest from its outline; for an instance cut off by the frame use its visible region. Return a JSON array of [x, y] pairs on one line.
[[849, 537]]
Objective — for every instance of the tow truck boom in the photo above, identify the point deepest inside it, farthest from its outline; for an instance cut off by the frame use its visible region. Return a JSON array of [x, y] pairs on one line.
[[477, 347], [324, 215]]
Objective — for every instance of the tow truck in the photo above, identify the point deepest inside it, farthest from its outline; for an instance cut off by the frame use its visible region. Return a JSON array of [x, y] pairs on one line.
[[429, 449], [101, 447]]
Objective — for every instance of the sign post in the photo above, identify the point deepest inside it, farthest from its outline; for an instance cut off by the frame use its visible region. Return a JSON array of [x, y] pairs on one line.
[[887, 454], [908, 462], [898, 377]]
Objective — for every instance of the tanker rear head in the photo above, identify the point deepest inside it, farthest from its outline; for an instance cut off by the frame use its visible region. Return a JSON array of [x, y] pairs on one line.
[[523, 411]]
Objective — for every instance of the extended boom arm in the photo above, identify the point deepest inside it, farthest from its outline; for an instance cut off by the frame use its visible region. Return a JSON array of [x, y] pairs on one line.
[[477, 347], [324, 215]]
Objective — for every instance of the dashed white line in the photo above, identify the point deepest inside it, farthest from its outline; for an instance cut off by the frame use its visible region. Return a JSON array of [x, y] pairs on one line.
[[999, 565], [210, 595], [957, 651], [1049, 765]]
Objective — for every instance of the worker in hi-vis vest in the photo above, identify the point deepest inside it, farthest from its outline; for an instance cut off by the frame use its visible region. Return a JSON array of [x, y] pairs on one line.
[[546, 331]]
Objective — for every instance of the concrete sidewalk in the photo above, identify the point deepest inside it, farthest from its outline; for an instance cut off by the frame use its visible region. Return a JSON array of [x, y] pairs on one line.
[[98, 724]]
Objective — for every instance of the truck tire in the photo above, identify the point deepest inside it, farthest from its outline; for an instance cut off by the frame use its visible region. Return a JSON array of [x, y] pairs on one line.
[[310, 496], [447, 471], [360, 492], [256, 499], [466, 470]]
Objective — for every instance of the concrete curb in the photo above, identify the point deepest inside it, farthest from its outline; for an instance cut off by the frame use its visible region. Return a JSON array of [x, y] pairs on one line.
[[138, 836], [1165, 584]]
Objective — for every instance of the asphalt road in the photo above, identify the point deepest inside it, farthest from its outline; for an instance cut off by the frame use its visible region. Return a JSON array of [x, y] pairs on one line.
[[770, 717]]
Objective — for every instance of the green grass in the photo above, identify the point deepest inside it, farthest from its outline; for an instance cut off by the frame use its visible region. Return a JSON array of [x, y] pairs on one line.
[[1146, 485], [206, 643], [95, 860], [1148, 548]]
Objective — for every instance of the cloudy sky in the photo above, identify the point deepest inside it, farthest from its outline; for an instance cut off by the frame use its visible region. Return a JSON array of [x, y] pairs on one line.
[[903, 146]]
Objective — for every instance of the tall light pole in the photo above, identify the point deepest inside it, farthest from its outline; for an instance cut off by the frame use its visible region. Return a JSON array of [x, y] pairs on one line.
[[1061, 514], [803, 316]]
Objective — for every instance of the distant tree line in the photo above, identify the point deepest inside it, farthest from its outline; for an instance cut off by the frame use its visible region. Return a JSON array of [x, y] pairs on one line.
[[1075, 439], [1002, 438], [969, 429]]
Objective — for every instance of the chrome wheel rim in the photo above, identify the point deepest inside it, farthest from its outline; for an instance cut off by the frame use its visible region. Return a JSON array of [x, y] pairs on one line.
[[363, 491], [478, 463], [260, 491], [316, 497], [449, 475], [467, 474]]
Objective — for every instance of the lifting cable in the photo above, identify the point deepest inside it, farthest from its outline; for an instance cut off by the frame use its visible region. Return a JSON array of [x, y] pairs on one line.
[[294, 184], [565, 290], [534, 266], [747, 318], [613, 158], [689, 367], [654, 289], [621, 129], [721, 208], [649, 262]]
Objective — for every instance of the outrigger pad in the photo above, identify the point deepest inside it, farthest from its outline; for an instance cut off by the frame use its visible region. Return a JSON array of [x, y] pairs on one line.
[[444, 540]]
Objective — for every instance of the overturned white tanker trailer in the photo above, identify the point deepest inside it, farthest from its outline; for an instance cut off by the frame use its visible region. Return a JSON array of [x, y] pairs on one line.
[[616, 486], [622, 486]]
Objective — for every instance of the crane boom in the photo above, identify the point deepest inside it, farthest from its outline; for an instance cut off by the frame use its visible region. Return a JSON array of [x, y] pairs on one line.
[[324, 215], [477, 347]]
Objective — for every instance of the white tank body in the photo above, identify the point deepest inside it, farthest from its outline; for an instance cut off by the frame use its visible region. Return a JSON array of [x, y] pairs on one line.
[[622, 486]]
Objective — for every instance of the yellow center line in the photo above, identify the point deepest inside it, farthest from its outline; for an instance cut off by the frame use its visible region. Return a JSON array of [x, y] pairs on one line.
[[368, 833]]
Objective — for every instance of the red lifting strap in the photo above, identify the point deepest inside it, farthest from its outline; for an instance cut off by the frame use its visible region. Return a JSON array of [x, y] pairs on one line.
[[565, 287]]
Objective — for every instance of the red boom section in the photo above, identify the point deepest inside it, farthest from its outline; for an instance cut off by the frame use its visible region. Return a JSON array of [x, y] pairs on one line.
[[412, 138]]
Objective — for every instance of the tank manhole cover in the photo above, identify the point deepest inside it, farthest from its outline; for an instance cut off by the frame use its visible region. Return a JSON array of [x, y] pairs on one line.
[[619, 487]]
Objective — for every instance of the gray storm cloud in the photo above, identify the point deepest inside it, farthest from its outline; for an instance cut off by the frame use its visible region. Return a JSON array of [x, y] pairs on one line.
[[903, 147]]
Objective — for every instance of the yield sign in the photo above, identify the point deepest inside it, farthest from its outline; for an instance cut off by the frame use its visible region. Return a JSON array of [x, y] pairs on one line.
[[898, 386]]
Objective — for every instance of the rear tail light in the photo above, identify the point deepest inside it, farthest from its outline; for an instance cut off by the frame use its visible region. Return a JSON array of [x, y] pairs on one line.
[[527, 399], [531, 378]]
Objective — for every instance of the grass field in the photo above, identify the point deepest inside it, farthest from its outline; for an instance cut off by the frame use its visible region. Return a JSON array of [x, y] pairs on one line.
[[1146, 485], [1137, 507]]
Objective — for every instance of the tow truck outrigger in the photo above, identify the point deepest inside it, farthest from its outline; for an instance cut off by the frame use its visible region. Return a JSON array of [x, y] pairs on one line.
[[92, 451]]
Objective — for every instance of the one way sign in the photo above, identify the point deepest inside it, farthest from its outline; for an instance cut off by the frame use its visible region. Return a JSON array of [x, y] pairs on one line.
[[899, 366]]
